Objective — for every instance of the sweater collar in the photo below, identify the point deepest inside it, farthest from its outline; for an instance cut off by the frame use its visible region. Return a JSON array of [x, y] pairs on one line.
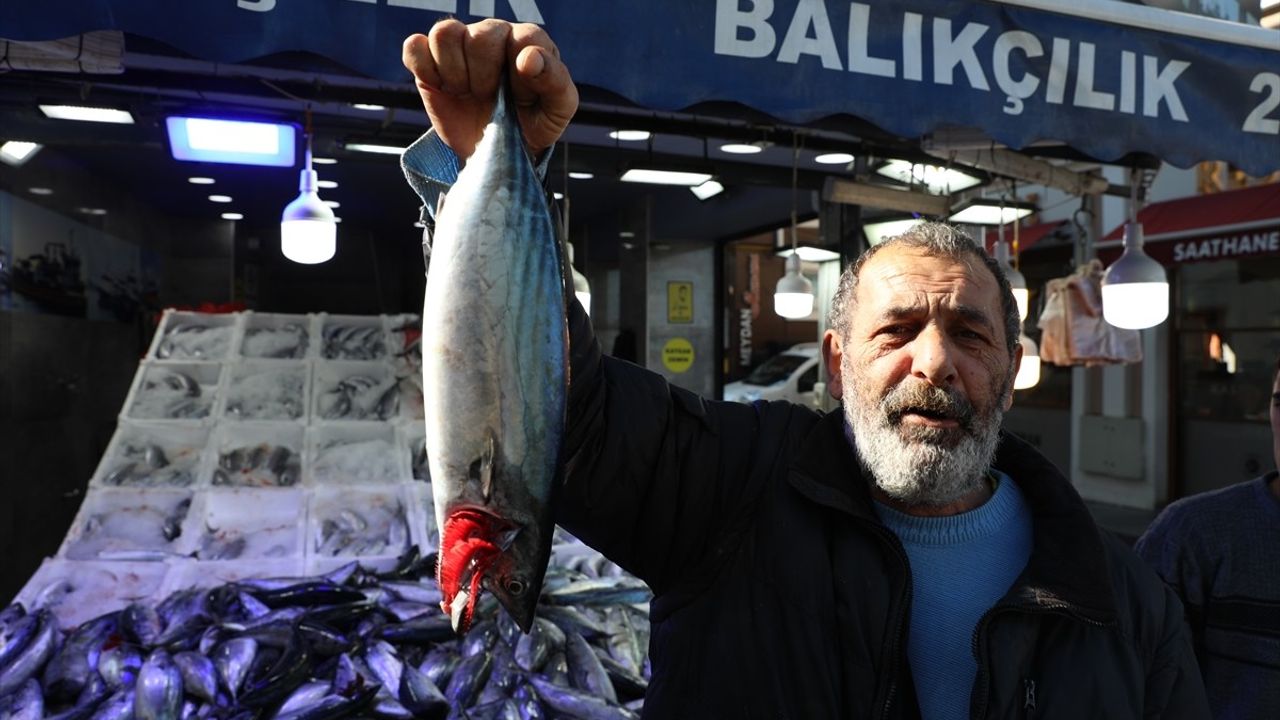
[[1068, 565]]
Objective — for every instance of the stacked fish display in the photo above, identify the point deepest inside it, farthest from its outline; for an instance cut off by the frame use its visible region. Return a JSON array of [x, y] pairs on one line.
[[351, 643]]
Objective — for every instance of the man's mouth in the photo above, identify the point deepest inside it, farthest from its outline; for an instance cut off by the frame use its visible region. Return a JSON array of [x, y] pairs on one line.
[[927, 417]]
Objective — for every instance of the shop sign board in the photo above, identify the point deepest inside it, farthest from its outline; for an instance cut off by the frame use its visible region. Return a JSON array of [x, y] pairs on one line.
[[1228, 245], [677, 355], [1179, 87], [679, 302]]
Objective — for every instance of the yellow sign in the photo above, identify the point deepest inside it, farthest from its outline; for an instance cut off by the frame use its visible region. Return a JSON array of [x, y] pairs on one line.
[[677, 355], [679, 302]]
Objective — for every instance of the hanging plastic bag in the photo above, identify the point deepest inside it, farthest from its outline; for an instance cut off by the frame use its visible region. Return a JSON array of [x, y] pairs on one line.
[[1075, 331]]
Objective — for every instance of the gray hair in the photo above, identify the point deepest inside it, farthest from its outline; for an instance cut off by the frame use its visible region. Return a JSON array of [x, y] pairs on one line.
[[937, 239]]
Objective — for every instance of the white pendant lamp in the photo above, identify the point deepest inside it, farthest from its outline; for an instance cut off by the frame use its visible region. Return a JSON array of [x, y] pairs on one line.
[[308, 230], [1135, 290], [1017, 280], [793, 296], [1029, 371]]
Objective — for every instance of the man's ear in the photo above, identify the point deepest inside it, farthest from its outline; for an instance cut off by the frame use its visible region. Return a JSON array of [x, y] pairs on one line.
[[1017, 365], [832, 351]]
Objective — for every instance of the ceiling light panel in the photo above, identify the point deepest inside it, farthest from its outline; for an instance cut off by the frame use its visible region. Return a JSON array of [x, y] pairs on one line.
[[87, 114]]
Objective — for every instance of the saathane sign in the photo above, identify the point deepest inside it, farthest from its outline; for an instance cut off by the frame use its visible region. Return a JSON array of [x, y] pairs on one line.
[[1234, 245]]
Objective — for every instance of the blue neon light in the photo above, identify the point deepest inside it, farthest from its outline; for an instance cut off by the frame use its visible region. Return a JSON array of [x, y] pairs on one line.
[[236, 142]]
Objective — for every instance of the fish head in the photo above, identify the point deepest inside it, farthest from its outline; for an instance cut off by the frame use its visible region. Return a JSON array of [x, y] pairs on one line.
[[483, 550]]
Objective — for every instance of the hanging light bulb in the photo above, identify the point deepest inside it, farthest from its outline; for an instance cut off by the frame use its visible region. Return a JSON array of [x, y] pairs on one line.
[[793, 297], [581, 288], [308, 230], [1017, 280], [1029, 371], [1135, 290]]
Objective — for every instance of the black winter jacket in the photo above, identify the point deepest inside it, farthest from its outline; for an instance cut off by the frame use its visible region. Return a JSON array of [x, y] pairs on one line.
[[779, 594]]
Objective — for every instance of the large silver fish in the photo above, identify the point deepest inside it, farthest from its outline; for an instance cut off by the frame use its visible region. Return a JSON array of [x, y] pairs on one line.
[[495, 372]]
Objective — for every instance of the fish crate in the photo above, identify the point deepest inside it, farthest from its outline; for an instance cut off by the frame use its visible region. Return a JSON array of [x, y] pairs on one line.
[[361, 391], [257, 455], [412, 409], [193, 336], [354, 453], [318, 565], [425, 533], [404, 343], [153, 454], [274, 336], [413, 449], [186, 392], [188, 574], [267, 390], [351, 337], [130, 524], [350, 522], [76, 592], [238, 524]]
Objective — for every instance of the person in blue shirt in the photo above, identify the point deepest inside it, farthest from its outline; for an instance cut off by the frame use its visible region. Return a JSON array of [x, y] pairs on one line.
[[901, 558]]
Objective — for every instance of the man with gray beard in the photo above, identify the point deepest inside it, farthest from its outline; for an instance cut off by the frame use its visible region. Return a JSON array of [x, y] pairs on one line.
[[903, 558]]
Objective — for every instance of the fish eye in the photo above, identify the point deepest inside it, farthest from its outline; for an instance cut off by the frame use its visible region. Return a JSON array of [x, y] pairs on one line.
[[515, 587]]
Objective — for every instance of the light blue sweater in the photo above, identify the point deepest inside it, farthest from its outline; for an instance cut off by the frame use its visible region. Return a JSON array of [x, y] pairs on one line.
[[960, 566]]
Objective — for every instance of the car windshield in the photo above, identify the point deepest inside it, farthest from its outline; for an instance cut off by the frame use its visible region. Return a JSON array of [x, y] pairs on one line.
[[775, 369]]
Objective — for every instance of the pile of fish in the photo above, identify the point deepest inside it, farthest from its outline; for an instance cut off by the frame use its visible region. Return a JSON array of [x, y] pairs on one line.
[[169, 393], [147, 465], [119, 527], [352, 341], [195, 342], [360, 397], [352, 643], [261, 465]]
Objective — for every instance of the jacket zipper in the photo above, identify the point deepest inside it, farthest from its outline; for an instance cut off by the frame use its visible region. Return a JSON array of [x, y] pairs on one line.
[[979, 648], [904, 602]]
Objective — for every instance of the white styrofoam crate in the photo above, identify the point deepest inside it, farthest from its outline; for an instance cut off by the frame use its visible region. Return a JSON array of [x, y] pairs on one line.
[[318, 565], [425, 533], [277, 336], [354, 453], [187, 392], [194, 337], [130, 524], [153, 454], [79, 591], [363, 391], [186, 574], [268, 390], [241, 524], [362, 522], [257, 454], [351, 337], [413, 450]]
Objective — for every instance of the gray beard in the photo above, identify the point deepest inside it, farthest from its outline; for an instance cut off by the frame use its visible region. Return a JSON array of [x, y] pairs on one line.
[[922, 466]]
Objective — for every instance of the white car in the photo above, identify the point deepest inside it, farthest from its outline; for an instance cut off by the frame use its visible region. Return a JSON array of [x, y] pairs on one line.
[[789, 375]]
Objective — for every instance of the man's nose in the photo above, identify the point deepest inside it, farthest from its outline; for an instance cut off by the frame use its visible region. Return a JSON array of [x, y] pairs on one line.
[[932, 358]]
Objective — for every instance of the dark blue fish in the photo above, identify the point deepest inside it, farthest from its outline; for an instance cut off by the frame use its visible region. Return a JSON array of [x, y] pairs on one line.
[[468, 679], [305, 696], [68, 670], [421, 696], [439, 664], [232, 660], [577, 704], [621, 590], [27, 662], [15, 635], [308, 594], [586, 672], [142, 624], [424, 630], [119, 666], [158, 693], [117, 707], [25, 704], [199, 676], [286, 674]]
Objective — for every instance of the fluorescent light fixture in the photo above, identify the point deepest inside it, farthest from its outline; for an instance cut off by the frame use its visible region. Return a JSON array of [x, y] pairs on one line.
[[878, 232], [91, 211], [743, 148], [1135, 290], [938, 180], [631, 135], [220, 198], [708, 189], [17, 152], [809, 253], [665, 177], [200, 180], [324, 161], [375, 149], [367, 106], [40, 191], [326, 184], [981, 211], [626, 234], [87, 114], [834, 159], [333, 203], [232, 216], [581, 175], [235, 142]]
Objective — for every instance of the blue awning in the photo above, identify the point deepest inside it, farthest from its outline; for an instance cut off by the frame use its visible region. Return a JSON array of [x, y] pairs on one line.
[[1108, 79]]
